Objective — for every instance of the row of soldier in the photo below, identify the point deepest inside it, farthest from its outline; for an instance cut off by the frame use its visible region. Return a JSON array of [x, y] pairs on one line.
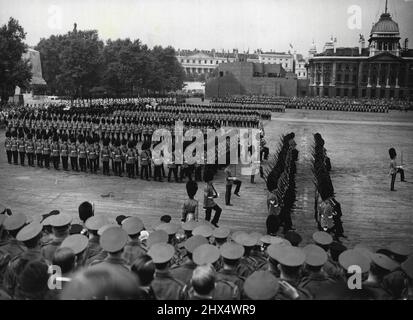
[[192, 260], [83, 153], [323, 103]]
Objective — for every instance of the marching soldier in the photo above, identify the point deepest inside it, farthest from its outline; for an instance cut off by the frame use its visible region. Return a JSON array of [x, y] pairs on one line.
[[230, 180], [209, 204]]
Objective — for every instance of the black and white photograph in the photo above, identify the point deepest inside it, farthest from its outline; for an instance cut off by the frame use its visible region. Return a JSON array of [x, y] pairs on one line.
[[228, 151]]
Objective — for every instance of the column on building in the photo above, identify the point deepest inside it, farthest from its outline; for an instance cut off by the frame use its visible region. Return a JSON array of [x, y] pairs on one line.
[[406, 77], [378, 76], [350, 89], [396, 86], [368, 90], [387, 90], [332, 89], [388, 75], [321, 86], [359, 80]]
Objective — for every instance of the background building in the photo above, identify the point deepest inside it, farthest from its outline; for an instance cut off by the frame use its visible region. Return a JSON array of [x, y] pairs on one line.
[[249, 78], [202, 62], [383, 69]]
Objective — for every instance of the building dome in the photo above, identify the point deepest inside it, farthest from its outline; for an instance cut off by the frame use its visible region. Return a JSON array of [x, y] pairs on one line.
[[385, 25]]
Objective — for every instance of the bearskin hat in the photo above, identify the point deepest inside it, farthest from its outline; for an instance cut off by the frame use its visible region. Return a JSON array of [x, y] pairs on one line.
[[191, 188], [392, 153]]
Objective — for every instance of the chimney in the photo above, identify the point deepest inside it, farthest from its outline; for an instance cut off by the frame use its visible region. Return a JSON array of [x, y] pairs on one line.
[[406, 44]]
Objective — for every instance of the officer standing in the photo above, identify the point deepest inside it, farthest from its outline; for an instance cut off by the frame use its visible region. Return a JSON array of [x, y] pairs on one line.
[[164, 285], [113, 241], [316, 281], [94, 250], [261, 285], [183, 272], [60, 225], [231, 253], [13, 224], [78, 243], [30, 236], [133, 249], [290, 260]]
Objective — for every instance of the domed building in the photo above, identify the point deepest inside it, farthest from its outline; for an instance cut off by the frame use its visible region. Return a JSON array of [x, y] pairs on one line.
[[382, 70]]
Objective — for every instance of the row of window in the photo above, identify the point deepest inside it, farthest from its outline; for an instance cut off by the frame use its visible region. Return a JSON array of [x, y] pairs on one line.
[[203, 61]]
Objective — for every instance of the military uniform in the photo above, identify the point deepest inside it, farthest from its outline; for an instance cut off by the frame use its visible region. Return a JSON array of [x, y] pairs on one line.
[[13, 223], [164, 285], [57, 221], [17, 264], [113, 241], [183, 272], [134, 248]]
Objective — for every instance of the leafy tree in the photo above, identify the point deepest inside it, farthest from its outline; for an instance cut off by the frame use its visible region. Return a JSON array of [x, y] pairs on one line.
[[14, 71], [78, 62]]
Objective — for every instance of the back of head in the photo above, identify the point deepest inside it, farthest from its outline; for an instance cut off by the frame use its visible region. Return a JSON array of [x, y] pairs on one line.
[[85, 211], [102, 282], [144, 269], [392, 153], [203, 279], [65, 258], [32, 280]]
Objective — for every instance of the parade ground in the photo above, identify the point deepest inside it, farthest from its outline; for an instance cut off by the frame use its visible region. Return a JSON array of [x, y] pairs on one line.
[[357, 144]]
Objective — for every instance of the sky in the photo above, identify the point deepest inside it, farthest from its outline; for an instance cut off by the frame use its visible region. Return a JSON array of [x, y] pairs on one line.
[[206, 24]]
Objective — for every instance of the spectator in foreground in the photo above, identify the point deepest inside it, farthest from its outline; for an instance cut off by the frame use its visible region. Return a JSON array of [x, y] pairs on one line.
[[102, 282]]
